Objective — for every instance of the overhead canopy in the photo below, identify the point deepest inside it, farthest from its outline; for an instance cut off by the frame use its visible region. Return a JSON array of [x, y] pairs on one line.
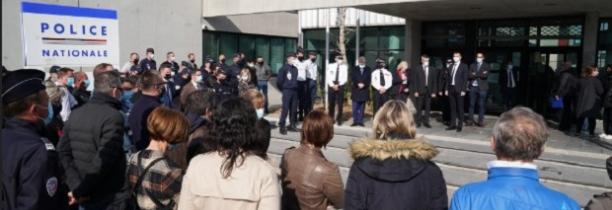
[[420, 9]]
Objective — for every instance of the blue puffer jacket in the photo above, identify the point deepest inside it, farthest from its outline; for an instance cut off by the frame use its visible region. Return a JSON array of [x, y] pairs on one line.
[[511, 189]]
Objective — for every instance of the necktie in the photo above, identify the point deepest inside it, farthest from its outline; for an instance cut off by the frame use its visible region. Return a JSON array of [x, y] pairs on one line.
[[454, 71], [426, 68], [336, 81], [382, 78]]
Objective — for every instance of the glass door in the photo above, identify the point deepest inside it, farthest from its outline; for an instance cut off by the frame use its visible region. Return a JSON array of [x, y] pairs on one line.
[[538, 79]]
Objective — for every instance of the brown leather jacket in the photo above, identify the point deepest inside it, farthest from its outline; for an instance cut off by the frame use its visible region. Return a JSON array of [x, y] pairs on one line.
[[309, 180]]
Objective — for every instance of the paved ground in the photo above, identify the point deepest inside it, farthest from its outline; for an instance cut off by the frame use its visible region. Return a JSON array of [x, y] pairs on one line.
[[557, 140]]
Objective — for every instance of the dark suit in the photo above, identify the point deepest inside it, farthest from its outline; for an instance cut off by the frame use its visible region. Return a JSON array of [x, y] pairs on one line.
[[147, 64], [455, 86], [478, 89], [360, 96], [288, 84], [507, 90], [424, 83], [443, 100], [168, 93]]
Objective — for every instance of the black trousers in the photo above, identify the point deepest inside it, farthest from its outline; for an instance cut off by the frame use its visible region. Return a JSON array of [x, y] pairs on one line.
[[303, 98], [380, 99], [568, 114], [422, 103], [290, 101], [591, 121], [456, 105], [607, 121], [336, 98]]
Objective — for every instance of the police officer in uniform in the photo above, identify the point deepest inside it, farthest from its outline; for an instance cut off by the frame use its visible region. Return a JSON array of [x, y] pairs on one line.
[[287, 82], [223, 86], [31, 176]]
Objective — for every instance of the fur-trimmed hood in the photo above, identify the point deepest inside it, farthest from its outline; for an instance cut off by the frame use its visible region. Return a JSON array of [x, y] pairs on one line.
[[397, 149], [393, 160]]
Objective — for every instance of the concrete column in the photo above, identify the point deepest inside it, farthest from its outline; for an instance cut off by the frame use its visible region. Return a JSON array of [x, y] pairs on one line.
[[589, 44], [412, 44]]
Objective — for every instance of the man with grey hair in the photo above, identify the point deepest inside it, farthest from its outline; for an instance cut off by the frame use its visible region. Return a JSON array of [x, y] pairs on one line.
[[91, 151], [518, 139]]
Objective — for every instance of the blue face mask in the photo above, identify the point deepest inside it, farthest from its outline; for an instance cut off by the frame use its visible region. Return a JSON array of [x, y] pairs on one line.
[[86, 83], [47, 120], [70, 81], [127, 95]]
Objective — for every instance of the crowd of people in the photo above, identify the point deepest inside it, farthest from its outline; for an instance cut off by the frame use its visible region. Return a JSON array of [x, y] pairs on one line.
[[183, 137], [418, 85]]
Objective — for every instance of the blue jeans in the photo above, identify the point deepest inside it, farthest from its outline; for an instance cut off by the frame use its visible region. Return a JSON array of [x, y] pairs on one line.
[[262, 85], [475, 92], [358, 111]]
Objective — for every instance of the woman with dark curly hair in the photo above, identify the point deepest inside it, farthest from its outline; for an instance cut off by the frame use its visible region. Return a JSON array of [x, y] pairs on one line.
[[232, 177]]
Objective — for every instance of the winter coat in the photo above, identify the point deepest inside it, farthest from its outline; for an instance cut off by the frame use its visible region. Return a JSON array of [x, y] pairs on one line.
[[589, 97], [394, 175]]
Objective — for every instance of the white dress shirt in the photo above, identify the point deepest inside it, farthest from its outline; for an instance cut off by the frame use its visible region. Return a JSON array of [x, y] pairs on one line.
[[454, 72], [311, 69], [301, 67], [331, 74], [387, 76], [510, 164]]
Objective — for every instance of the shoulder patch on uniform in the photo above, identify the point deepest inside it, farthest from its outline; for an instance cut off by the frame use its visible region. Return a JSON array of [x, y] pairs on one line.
[[48, 144], [51, 186]]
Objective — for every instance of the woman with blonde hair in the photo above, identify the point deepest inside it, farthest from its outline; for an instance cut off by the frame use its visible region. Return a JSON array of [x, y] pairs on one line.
[[394, 170], [402, 82]]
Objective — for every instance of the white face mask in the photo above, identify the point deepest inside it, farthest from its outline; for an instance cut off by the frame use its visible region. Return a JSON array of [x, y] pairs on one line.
[[361, 66], [456, 59], [244, 77], [479, 60], [426, 63], [199, 79], [260, 113], [152, 56]]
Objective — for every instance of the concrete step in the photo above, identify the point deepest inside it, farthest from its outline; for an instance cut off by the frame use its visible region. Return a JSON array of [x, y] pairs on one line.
[[576, 173]]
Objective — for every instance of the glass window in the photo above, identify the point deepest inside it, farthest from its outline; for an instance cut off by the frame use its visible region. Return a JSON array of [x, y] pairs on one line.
[[604, 57], [533, 31], [262, 47], [391, 38], [510, 31], [290, 46], [456, 35], [549, 31], [549, 42], [371, 58], [277, 53], [394, 57], [314, 39], [435, 43], [369, 36], [228, 44], [605, 35], [574, 30], [210, 44], [247, 45]]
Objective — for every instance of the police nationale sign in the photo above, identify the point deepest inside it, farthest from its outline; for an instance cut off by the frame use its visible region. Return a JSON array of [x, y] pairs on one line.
[[69, 36]]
